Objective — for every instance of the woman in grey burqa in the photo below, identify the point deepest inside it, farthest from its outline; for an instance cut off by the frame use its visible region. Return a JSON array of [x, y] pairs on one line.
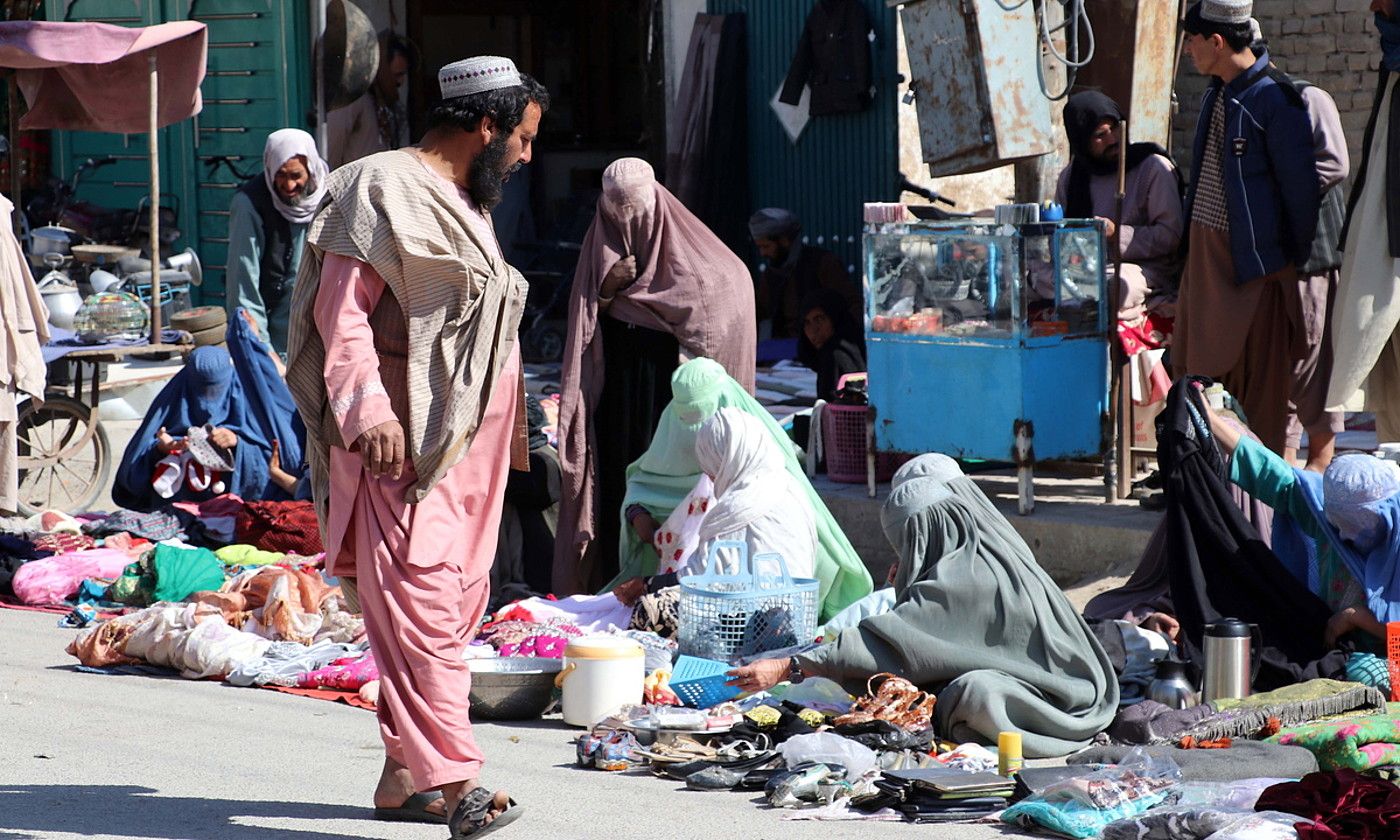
[[976, 622]]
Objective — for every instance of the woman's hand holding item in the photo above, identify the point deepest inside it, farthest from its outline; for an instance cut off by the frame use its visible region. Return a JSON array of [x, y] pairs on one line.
[[1162, 623], [758, 676], [621, 275], [1349, 619], [223, 438], [165, 443], [630, 590]]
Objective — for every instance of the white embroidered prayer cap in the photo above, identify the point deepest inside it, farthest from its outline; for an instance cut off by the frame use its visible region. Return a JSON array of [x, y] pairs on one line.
[[1227, 11], [477, 75]]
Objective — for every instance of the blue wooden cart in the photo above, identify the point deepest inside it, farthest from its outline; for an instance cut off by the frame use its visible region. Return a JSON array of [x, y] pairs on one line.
[[989, 341]]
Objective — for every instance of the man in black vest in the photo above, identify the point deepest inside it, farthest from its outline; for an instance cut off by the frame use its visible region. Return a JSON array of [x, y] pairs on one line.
[[267, 228], [792, 270]]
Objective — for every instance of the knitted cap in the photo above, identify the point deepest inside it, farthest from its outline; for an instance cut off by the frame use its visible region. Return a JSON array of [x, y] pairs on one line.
[[477, 75], [1227, 11]]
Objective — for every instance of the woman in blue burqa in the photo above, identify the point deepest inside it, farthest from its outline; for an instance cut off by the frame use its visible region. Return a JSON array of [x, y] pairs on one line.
[[213, 428]]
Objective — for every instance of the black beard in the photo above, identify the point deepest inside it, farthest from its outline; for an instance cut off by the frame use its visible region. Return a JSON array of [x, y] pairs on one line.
[[486, 177]]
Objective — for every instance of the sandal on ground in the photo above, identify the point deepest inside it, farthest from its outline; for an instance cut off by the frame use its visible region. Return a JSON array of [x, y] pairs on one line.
[[414, 810], [472, 816]]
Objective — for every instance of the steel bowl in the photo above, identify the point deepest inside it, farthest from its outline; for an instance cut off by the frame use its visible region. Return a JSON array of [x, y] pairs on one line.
[[512, 688]]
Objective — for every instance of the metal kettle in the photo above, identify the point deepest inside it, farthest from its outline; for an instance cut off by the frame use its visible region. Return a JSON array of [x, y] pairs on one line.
[[1230, 648], [1171, 687]]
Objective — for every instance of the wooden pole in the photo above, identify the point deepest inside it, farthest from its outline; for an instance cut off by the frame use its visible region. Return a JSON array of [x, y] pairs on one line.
[[1119, 474], [153, 148], [16, 177]]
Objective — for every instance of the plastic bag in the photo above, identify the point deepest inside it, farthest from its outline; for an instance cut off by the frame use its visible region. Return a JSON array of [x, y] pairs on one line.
[[1084, 807], [1265, 825], [818, 693], [829, 748]]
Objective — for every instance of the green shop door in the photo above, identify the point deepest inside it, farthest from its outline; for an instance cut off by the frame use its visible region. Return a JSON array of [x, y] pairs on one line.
[[258, 80]]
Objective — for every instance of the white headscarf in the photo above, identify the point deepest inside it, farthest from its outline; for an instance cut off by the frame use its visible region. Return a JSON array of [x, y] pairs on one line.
[[756, 500], [283, 145]]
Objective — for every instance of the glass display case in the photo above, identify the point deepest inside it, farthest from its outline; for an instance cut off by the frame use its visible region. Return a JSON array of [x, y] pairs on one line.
[[981, 333]]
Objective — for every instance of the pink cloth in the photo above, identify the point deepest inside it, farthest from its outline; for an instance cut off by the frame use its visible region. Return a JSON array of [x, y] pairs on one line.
[[423, 570], [54, 580], [95, 76], [688, 284], [349, 674]]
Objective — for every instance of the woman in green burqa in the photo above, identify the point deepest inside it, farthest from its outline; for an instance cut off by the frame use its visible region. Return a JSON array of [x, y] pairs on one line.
[[662, 478]]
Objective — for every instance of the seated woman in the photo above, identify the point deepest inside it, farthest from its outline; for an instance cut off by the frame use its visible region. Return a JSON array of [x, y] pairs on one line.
[[832, 343], [659, 481], [976, 622], [756, 501], [1338, 533], [211, 429]]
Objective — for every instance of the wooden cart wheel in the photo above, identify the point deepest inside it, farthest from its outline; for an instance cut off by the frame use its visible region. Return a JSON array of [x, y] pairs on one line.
[[64, 456]]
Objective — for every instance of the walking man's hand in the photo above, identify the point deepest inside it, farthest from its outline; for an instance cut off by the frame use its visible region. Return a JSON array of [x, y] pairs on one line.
[[382, 449]]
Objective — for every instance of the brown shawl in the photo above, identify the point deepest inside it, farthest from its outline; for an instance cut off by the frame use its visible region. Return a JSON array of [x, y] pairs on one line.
[[688, 284], [461, 300]]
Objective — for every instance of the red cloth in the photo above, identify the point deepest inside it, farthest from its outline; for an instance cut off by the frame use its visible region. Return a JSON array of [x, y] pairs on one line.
[[287, 527], [1345, 803], [95, 76], [335, 695]]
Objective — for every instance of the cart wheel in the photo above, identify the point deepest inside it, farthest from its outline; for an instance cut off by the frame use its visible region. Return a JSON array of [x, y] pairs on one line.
[[64, 456]]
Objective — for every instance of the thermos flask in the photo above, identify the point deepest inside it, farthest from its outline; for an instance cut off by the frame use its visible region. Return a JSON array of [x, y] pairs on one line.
[[1229, 659]]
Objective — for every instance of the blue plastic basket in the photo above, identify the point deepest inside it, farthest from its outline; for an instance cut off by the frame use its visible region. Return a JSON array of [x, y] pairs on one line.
[[726, 616], [700, 683]]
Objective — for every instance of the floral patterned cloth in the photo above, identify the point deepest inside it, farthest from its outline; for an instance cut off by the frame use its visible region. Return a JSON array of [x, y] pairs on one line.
[[1355, 743]]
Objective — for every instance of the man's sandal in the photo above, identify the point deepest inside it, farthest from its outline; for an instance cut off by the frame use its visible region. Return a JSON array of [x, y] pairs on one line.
[[472, 816]]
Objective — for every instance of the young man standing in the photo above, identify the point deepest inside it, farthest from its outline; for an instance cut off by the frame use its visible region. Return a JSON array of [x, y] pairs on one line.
[[1254, 146]]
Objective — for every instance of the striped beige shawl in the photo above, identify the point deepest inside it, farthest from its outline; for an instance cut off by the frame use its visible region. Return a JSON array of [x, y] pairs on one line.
[[461, 300]]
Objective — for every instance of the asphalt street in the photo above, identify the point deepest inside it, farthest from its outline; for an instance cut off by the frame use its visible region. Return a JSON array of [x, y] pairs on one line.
[[97, 756]]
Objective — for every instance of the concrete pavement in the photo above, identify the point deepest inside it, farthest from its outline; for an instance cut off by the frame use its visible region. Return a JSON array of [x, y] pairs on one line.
[[96, 756]]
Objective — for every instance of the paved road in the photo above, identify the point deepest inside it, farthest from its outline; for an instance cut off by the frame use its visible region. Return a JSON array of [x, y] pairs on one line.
[[90, 756]]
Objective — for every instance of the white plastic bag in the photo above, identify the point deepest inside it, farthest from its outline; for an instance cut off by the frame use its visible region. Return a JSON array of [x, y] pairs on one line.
[[829, 748], [1264, 825]]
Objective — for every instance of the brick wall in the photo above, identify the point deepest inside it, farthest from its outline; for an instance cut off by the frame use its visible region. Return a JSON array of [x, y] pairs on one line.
[[1331, 43]]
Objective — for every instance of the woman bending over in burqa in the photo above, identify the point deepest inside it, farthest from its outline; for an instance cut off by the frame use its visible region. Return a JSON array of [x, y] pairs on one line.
[[1336, 532], [976, 621]]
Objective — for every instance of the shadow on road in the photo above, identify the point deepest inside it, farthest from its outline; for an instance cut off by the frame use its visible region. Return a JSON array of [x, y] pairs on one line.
[[140, 812]]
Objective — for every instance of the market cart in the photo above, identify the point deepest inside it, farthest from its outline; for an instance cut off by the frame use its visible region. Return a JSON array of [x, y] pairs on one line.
[[95, 77], [989, 341]]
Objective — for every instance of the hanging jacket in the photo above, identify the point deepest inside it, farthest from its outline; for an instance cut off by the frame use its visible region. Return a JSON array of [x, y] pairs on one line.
[[833, 57], [1268, 154]]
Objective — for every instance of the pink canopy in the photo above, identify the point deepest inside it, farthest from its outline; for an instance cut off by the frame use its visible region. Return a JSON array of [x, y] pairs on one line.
[[93, 76]]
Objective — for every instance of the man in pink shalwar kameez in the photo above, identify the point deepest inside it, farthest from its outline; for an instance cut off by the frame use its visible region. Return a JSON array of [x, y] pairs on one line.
[[405, 367]]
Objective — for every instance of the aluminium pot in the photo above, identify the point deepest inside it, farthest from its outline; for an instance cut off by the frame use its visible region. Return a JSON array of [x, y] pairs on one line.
[[50, 239]]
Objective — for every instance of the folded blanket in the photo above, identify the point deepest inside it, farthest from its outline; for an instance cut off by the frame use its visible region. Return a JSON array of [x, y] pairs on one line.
[[1294, 704], [1243, 760], [1358, 743]]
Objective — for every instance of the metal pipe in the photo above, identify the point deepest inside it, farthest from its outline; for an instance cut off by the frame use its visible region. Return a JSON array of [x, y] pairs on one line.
[[318, 8], [153, 147]]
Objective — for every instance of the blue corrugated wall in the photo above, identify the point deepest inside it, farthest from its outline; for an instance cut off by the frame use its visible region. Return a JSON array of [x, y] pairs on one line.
[[839, 162]]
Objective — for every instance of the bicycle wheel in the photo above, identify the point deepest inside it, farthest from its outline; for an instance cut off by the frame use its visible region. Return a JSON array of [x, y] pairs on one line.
[[64, 456]]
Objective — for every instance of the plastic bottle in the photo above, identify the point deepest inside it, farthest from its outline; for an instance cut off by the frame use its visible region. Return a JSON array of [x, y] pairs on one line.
[[1009, 759]]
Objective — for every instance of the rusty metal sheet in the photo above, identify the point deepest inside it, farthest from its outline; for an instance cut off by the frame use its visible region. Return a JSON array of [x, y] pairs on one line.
[[1135, 72], [974, 76]]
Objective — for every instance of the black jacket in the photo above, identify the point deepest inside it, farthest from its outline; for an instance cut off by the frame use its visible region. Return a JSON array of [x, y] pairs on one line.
[[833, 56]]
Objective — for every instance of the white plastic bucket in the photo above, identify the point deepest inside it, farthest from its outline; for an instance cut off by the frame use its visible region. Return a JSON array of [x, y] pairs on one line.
[[601, 675]]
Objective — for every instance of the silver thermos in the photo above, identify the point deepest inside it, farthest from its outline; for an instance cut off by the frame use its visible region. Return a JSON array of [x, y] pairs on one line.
[[1229, 659], [1170, 687]]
